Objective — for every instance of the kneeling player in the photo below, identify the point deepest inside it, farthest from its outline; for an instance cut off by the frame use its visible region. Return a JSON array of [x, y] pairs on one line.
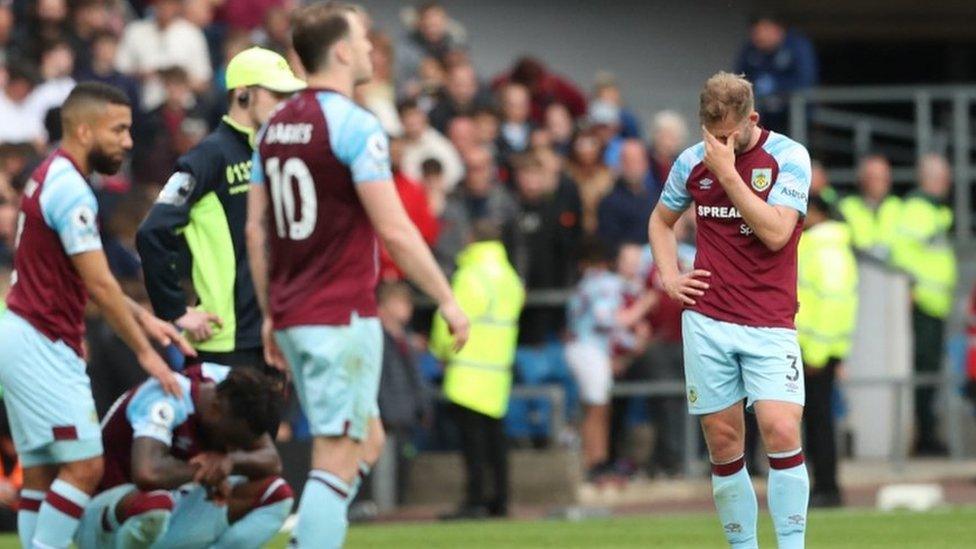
[[196, 471]]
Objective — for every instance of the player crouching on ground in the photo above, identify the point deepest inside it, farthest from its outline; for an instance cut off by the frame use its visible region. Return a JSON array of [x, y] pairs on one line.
[[196, 471]]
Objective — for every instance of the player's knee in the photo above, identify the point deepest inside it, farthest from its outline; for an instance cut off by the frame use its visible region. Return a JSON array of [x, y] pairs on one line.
[[84, 474], [781, 434], [276, 499], [724, 440], [145, 517]]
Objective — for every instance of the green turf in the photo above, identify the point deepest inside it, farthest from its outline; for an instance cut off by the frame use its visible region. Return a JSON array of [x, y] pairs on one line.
[[954, 528]]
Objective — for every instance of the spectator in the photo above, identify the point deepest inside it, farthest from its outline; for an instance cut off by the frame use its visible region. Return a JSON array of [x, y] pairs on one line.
[[478, 379], [47, 21], [592, 315], [664, 360], [608, 91], [433, 36], [57, 64], [924, 250], [414, 199], [90, 17], [463, 95], [22, 123], [820, 186], [379, 94], [481, 195], [487, 130], [422, 142], [593, 178], [463, 133], [515, 127], [604, 119], [161, 41], [561, 127], [827, 290], [247, 15], [7, 32], [404, 399], [275, 35], [778, 61], [624, 213], [101, 66], [667, 141], [169, 130], [544, 242], [544, 88], [451, 215], [873, 215]]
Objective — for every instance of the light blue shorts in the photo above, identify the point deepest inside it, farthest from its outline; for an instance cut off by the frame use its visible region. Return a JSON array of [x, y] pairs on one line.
[[336, 370], [195, 522], [48, 396], [726, 362]]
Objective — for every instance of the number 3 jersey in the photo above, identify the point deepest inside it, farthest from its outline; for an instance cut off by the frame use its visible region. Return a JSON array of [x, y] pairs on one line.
[[311, 155], [58, 219], [750, 284]]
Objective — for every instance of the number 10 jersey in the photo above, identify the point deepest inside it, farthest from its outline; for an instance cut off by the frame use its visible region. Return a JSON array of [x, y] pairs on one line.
[[311, 155]]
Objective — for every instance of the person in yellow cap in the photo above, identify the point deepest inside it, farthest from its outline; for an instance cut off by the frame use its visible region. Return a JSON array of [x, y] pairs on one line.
[[196, 226]]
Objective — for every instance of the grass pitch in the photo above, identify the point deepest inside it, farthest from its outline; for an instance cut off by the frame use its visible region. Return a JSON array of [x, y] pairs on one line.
[[953, 527]]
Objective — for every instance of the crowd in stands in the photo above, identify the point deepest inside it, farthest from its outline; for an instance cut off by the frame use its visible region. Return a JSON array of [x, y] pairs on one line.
[[563, 170]]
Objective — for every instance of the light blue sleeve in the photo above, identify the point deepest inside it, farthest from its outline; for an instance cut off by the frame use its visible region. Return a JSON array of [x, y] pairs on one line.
[[257, 166], [607, 301], [155, 414], [675, 195], [792, 185], [357, 139], [70, 208]]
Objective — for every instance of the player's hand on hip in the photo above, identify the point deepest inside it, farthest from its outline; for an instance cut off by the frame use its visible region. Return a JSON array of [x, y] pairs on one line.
[[272, 352], [457, 323], [719, 157], [155, 366], [687, 286], [199, 324]]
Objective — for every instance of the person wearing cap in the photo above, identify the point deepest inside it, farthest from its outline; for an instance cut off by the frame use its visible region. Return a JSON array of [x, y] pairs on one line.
[[196, 226]]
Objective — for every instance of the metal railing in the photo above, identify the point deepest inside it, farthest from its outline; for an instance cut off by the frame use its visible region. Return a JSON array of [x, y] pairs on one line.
[[923, 130]]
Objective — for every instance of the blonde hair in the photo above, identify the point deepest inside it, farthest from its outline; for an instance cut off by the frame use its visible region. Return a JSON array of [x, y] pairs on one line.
[[724, 94]]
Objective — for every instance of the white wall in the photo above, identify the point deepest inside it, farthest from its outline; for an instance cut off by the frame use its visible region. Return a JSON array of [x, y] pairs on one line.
[[660, 51]]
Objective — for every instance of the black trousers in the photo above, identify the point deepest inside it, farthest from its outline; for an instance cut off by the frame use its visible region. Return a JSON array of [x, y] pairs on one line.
[[929, 344], [485, 451], [818, 423]]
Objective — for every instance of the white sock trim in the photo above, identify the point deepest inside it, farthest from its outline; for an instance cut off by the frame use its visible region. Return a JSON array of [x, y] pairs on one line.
[[786, 454], [33, 494], [70, 492]]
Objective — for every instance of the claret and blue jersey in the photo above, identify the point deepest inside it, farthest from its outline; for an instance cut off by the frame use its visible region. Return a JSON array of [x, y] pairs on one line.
[[324, 255], [750, 284]]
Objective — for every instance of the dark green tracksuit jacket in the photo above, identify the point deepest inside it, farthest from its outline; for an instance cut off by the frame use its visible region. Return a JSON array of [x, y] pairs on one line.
[[196, 226]]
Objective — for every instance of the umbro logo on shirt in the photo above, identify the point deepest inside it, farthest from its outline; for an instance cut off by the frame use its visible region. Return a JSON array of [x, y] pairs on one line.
[[705, 184]]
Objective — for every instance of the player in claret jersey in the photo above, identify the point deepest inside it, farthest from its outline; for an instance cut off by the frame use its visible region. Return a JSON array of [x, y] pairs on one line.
[[59, 262], [322, 169], [749, 187], [191, 472]]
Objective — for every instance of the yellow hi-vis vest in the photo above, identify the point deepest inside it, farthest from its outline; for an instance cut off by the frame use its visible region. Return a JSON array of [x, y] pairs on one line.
[[924, 250], [827, 292], [872, 230], [490, 292]]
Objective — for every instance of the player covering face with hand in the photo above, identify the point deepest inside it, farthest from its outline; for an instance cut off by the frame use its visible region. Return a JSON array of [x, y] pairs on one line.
[[749, 187]]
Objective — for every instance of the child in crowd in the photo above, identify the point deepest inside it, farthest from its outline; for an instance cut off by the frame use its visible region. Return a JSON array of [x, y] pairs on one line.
[[597, 313]]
